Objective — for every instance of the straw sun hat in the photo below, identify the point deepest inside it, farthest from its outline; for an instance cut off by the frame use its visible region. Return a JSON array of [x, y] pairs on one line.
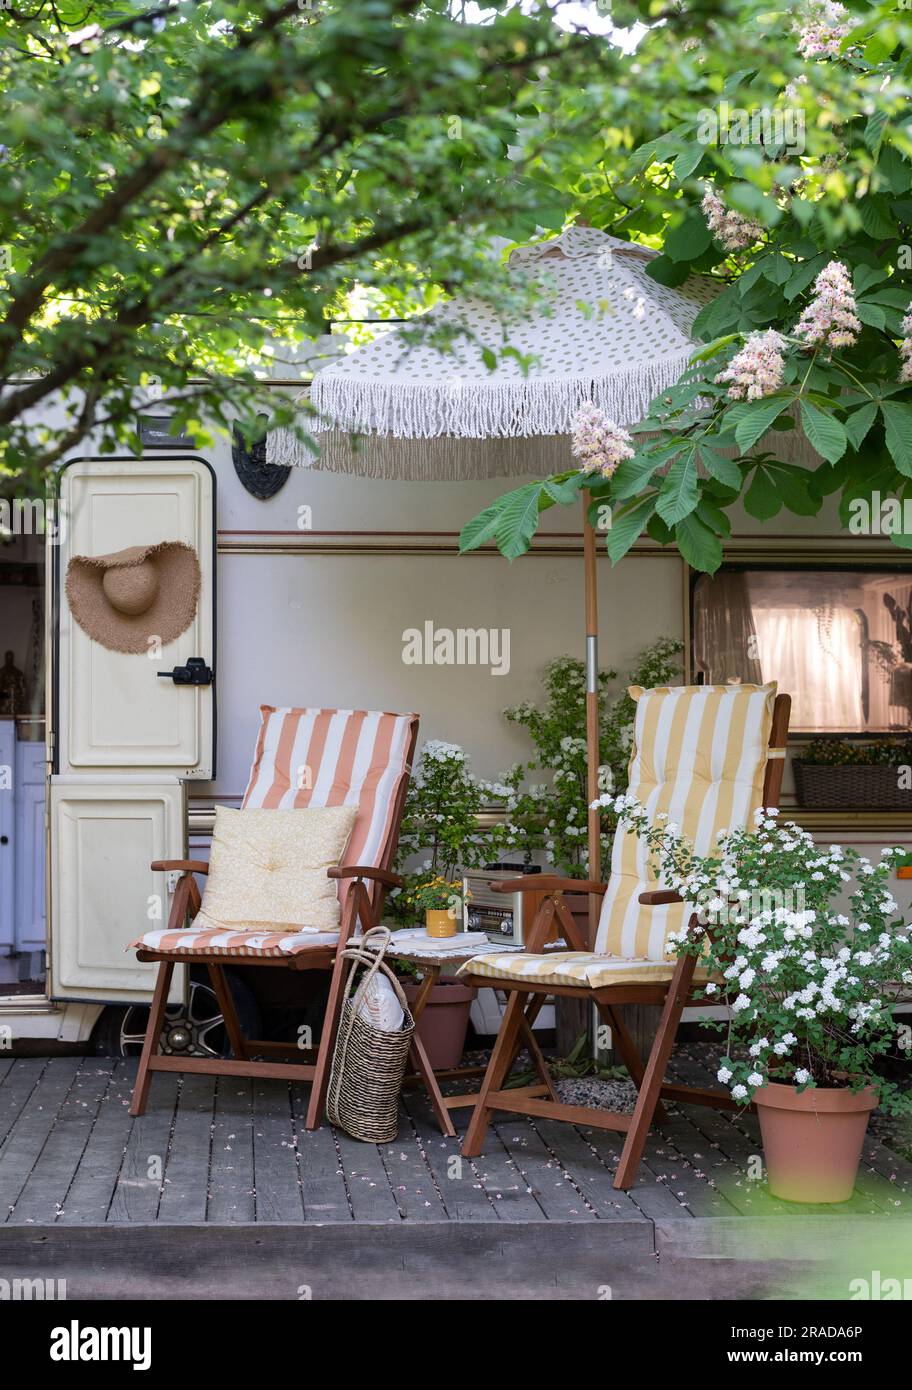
[[146, 591]]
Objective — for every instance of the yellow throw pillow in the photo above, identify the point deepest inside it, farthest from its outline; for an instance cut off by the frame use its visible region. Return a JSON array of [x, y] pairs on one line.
[[267, 869]]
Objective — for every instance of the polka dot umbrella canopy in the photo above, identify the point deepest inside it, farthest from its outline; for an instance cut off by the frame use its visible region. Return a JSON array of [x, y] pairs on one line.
[[602, 331]]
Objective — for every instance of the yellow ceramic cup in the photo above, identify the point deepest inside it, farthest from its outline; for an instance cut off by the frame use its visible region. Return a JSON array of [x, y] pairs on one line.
[[439, 922]]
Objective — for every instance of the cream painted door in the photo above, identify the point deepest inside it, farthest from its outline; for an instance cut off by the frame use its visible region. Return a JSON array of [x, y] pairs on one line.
[[107, 832], [115, 712]]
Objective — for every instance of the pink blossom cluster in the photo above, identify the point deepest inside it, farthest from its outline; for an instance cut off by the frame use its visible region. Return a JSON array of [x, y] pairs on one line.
[[905, 348], [830, 319], [730, 229], [598, 442], [756, 370], [823, 31]]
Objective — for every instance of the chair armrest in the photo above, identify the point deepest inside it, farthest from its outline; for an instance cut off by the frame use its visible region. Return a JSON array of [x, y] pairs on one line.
[[187, 866], [384, 876], [547, 883], [658, 897]]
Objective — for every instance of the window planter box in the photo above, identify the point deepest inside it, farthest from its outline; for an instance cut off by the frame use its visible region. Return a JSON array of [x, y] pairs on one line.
[[852, 787]]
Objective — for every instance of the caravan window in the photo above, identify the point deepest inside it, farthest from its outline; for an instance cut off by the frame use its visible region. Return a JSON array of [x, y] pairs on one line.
[[838, 641]]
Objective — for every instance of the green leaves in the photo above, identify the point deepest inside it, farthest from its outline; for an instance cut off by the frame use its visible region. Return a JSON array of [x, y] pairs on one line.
[[752, 419], [689, 239], [762, 500], [627, 525], [897, 419], [859, 422], [824, 432], [724, 470], [512, 520], [679, 493], [700, 547]]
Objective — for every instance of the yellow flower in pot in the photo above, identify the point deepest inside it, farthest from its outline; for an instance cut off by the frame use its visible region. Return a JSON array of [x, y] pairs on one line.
[[441, 901], [810, 988]]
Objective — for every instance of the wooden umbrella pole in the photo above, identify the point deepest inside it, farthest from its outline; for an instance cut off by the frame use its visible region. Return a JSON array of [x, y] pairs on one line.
[[593, 750]]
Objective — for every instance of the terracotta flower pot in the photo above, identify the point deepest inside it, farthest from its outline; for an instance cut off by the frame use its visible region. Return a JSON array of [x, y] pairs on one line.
[[443, 1024], [812, 1142]]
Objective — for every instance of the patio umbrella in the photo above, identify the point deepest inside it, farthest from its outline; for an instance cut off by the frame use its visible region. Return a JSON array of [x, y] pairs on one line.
[[602, 331]]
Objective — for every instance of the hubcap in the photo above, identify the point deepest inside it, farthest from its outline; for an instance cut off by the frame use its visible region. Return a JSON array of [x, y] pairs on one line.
[[196, 1028]]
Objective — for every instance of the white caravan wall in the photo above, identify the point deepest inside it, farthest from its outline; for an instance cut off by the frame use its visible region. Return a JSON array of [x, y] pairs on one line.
[[327, 630]]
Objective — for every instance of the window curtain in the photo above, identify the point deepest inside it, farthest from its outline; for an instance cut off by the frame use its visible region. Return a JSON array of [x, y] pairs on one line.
[[725, 638], [815, 655]]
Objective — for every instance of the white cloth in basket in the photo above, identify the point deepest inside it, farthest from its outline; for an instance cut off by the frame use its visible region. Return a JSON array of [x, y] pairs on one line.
[[380, 1007]]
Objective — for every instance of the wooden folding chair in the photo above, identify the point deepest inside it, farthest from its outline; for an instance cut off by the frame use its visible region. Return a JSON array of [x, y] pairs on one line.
[[304, 757], [708, 757]]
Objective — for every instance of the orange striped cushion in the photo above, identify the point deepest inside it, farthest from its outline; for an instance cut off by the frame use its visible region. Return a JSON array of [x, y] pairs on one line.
[[335, 757], [699, 755], [233, 943]]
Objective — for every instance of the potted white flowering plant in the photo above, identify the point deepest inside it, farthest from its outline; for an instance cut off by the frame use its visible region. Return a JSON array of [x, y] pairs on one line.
[[442, 830], [810, 988]]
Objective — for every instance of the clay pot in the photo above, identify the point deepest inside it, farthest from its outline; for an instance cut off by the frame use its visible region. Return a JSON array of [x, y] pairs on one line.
[[443, 1024], [812, 1142]]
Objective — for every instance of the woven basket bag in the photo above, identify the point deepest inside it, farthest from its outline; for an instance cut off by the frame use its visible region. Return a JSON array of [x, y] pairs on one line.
[[368, 1063]]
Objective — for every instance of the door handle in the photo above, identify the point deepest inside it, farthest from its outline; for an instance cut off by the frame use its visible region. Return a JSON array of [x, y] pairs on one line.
[[196, 672]]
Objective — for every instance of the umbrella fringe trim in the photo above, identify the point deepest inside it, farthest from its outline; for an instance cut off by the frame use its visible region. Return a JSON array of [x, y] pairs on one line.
[[487, 409]]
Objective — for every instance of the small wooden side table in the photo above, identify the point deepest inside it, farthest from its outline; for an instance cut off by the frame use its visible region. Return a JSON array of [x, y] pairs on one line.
[[431, 968]]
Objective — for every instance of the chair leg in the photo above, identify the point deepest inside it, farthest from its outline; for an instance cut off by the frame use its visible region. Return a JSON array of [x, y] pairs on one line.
[[654, 1075], [229, 1013], [527, 1036], [327, 1039], [502, 1057], [630, 1053], [153, 1033]]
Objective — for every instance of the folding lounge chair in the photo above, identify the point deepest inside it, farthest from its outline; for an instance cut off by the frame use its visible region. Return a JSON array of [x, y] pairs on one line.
[[708, 756], [353, 757]]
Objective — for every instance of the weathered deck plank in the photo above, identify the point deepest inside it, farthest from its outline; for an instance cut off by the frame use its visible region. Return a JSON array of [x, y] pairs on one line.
[[231, 1182], [185, 1192], [234, 1153], [458, 1182], [275, 1154], [367, 1181], [30, 1130], [89, 1198], [547, 1179], [43, 1195]]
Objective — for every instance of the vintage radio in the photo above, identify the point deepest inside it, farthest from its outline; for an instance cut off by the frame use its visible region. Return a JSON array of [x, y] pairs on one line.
[[502, 916]]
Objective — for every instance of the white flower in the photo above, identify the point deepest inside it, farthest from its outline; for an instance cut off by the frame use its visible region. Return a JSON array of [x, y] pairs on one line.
[[802, 1076], [739, 1092], [755, 1079], [599, 443], [724, 1075]]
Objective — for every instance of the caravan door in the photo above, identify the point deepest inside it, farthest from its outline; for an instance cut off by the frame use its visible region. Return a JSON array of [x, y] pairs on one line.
[[116, 712], [127, 738]]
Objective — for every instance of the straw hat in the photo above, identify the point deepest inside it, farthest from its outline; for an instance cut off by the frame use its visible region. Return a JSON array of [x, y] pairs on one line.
[[145, 591]]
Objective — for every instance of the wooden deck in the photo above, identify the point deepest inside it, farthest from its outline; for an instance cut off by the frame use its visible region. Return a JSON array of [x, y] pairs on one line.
[[219, 1191]]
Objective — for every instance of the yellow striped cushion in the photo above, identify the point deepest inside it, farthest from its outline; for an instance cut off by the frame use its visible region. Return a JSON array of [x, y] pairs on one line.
[[568, 968], [699, 754]]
